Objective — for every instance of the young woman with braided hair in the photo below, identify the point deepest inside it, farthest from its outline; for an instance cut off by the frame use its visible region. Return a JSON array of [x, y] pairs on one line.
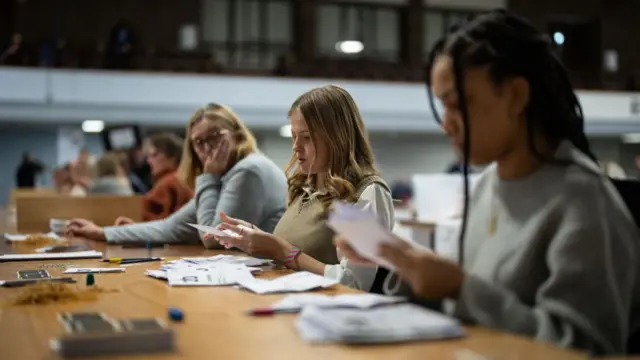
[[549, 249]]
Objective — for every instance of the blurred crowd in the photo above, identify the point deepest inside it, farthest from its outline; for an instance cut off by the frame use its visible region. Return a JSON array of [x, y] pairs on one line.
[[148, 170]]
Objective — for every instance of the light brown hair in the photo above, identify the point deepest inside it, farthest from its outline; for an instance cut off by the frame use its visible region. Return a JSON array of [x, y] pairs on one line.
[[168, 144], [190, 165], [333, 117], [108, 165]]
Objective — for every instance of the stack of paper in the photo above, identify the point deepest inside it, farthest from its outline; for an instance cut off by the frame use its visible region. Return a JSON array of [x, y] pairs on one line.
[[52, 256], [362, 230], [221, 259], [218, 275], [394, 323], [200, 265], [297, 282], [359, 301]]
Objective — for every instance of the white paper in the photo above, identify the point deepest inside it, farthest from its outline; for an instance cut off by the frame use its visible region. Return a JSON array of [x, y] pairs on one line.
[[387, 324], [360, 301], [52, 256], [94, 270], [221, 259], [158, 274], [362, 231], [297, 282], [212, 276], [440, 196], [214, 230], [446, 239], [23, 237]]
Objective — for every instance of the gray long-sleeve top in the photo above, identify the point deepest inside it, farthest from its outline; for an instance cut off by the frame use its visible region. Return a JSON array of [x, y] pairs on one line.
[[254, 190], [553, 256]]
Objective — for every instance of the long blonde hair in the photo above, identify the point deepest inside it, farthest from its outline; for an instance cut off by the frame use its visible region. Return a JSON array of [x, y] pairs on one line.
[[190, 165], [333, 117]]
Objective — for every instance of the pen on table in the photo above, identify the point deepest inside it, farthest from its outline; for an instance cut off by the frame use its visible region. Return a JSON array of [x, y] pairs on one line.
[[127, 261], [272, 311], [23, 282]]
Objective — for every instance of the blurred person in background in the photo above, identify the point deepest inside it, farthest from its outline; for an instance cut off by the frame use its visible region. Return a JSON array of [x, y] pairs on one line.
[[120, 46], [28, 171], [168, 193], [221, 162], [140, 170], [402, 193], [109, 177], [83, 169], [64, 184], [15, 54]]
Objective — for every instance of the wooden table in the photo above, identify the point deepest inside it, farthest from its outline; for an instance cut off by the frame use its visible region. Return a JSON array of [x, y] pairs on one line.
[[216, 325]]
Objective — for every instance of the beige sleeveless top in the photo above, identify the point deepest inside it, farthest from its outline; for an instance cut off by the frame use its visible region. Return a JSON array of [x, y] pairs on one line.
[[304, 225]]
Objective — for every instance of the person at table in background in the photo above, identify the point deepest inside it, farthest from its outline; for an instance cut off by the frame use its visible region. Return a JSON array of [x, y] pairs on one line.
[[221, 161], [551, 250], [140, 170], [168, 194], [63, 182], [28, 171], [110, 178], [331, 160], [83, 170]]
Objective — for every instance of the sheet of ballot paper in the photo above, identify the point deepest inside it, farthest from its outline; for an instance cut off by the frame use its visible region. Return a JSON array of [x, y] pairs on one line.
[[297, 282], [213, 230], [358, 301], [362, 230], [221, 275]]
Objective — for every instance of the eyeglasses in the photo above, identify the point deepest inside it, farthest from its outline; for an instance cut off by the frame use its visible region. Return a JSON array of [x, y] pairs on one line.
[[209, 142]]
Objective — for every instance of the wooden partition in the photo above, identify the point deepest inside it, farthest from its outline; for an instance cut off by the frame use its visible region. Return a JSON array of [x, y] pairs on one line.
[[35, 192], [34, 212]]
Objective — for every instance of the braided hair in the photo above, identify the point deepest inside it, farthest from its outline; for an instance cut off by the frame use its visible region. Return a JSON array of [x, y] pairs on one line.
[[509, 46]]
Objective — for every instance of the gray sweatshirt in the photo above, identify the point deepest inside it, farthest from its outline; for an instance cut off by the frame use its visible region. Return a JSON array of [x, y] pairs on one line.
[[110, 185], [561, 264], [254, 190]]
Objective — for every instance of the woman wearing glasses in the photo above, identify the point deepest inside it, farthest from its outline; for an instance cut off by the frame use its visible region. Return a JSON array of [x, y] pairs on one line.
[[229, 175]]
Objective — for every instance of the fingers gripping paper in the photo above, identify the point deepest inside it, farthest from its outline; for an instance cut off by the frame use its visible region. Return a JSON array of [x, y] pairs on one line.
[[362, 230]]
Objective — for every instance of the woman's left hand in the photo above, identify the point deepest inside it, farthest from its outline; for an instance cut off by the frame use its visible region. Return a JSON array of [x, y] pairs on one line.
[[218, 158], [429, 275], [254, 242]]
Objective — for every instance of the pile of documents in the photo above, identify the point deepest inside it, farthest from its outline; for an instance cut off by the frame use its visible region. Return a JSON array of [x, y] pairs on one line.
[[357, 301], [226, 270], [386, 324], [219, 270]]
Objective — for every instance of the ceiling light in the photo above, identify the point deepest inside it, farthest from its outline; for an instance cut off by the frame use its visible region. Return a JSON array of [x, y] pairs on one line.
[[350, 46], [92, 126], [285, 131]]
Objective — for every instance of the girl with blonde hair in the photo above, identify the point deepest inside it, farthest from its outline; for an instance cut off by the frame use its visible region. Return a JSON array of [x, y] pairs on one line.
[[331, 160], [221, 162]]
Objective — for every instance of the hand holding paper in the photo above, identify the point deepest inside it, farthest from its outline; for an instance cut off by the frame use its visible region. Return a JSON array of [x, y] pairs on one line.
[[362, 232]]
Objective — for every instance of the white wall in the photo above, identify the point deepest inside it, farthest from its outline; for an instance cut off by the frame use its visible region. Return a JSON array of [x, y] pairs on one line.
[[401, 156]]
